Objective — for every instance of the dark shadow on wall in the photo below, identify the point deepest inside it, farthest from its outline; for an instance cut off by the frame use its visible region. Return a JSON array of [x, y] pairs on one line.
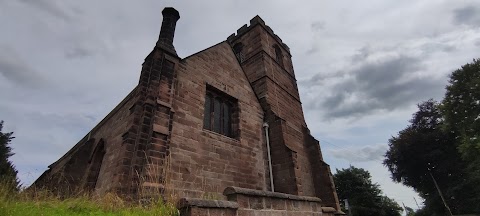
[[95, 161]]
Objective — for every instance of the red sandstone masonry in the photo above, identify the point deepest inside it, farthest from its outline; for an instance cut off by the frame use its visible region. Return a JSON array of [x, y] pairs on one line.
[[248, 202], [258, 68], [204, 162], [275, 86], [154, 140]]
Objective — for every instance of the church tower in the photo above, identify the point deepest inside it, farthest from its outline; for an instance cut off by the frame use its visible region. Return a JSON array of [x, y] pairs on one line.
[[297, 163]]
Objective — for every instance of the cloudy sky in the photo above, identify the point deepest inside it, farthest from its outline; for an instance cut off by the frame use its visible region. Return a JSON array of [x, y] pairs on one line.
[[361, 68]]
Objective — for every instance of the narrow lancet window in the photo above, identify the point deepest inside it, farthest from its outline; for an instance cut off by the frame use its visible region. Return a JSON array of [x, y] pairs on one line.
[[278, 55]]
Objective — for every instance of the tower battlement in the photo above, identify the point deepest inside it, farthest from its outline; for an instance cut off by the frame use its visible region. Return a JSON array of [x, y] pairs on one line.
[[257, 20]]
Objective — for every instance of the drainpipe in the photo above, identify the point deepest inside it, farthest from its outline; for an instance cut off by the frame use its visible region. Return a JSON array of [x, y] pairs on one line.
[[265, 126]]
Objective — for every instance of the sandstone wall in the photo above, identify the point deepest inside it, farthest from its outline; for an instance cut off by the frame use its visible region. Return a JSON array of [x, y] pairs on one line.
[[247, 202], [203, 162]]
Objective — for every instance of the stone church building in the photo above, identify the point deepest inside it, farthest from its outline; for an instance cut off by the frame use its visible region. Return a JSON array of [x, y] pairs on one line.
[[219, 125]]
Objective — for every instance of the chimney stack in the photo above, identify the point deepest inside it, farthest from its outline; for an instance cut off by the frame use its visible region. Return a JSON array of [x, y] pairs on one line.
[[167, 31]]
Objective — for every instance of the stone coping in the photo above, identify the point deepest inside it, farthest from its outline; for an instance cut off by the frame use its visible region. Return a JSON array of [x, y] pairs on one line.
[[251, 192], [203, 203], [329, 210]]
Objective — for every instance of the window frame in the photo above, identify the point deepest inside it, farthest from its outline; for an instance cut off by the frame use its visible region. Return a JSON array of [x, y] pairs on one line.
[[217, 115]]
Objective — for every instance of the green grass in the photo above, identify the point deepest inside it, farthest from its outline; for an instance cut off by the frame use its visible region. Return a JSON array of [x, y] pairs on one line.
[[76, 207], [44, 203]]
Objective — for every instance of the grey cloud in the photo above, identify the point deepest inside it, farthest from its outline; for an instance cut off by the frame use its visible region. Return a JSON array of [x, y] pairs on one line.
[[70, 120], [67, 121], [477, 43], [78, 52], [382, 85], [469, 15], [318, 25], [363, 154], [42, 137], [315, 26], [381, 72], [449, 48], [361, 54], [312, 50], [322, 78], [18, 71], [434, 47], [51, 7]]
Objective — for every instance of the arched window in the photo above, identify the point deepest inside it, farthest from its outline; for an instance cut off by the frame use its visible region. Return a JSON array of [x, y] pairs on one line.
[[77, 166], [219, 112], [96, 160], [278, 54]]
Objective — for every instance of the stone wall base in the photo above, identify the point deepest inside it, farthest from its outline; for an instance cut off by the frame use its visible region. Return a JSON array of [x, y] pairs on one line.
[[249, 202]]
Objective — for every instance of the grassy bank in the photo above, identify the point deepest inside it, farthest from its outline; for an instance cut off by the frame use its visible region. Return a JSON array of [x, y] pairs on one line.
[[33, 203]]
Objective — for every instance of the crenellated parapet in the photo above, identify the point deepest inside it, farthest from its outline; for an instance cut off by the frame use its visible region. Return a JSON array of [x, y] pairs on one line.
[[257, 20]]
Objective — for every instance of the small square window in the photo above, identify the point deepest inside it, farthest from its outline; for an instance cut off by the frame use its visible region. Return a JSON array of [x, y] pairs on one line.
[[220, 112]]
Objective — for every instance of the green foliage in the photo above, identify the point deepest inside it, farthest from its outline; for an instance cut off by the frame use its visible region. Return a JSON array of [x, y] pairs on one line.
[[8, 173], [461, 108], [409, 211], [364, 197], [420, 147], [444, 140], [424, 212], [424, 147]]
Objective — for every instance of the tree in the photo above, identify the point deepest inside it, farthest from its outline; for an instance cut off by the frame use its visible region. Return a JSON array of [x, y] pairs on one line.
[[461, 108], [364, 197], [8, 173], [409, 211], [423, 150]]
